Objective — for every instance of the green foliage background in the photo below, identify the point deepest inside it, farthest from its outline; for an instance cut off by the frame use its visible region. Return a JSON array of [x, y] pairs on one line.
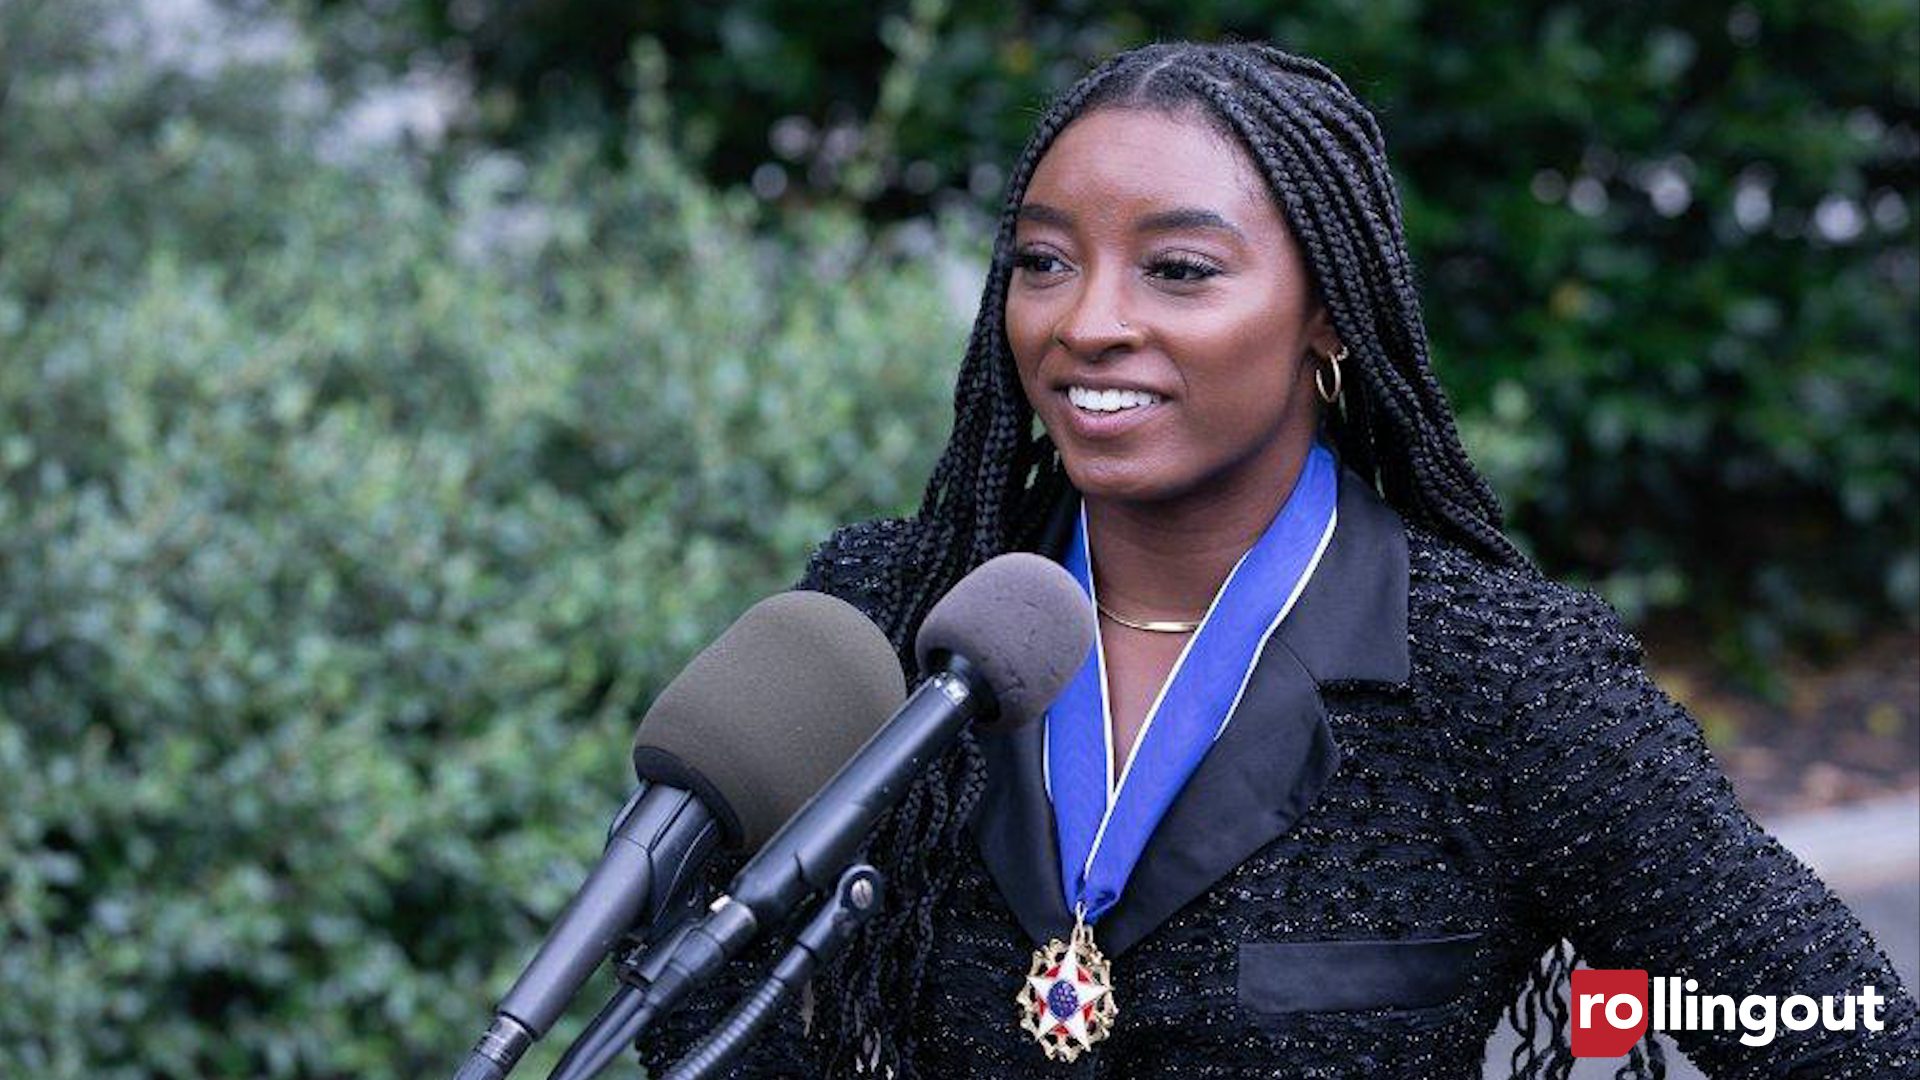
[[355, 496]]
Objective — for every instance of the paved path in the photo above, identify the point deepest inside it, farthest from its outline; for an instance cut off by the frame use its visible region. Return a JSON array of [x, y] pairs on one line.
[[1868, 853]]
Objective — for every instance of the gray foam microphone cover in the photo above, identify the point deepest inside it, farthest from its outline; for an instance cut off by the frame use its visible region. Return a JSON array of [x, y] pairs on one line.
[[761, 718], [1024, 622]]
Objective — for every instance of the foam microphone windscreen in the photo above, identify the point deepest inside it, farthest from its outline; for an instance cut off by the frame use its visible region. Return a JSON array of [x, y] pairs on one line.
[[761, 718], [1023, 622]]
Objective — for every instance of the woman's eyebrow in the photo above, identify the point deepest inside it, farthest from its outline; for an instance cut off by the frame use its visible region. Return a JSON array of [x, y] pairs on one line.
[[1042, 214], [1187, 217]]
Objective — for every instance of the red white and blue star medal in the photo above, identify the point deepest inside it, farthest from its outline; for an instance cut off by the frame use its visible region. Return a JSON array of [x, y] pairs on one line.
[[1067, 1003], [1102, 822]]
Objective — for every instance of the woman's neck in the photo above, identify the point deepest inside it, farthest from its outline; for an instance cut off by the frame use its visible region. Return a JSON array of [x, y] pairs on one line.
[[1166, 559]]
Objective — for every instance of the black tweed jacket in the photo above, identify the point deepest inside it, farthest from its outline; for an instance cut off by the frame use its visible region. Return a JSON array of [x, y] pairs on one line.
[[1439, 770]]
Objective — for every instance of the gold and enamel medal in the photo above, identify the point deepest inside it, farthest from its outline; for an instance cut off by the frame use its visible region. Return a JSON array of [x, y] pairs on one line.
[[1067, 1003]]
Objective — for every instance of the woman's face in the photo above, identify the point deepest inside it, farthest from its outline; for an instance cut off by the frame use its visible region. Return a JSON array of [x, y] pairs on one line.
[[1159, 311]]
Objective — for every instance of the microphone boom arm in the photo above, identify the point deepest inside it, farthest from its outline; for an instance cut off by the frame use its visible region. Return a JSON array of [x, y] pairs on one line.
[[851, 905]]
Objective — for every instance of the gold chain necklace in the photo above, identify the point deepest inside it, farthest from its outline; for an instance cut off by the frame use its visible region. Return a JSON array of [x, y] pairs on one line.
[[1151, 626]]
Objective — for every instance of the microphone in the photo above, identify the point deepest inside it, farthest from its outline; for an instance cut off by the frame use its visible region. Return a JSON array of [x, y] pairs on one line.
[[999, 647], [741, 737]]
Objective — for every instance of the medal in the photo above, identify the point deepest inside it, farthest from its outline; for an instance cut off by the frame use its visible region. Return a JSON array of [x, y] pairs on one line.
[[1102, 822], [1067, 1003]]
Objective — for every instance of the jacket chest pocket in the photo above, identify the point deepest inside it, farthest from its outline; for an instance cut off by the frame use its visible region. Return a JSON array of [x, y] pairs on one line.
[[1336, 976]]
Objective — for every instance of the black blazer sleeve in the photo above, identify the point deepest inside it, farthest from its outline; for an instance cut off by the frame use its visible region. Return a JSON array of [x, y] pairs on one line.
[[1632, 842]]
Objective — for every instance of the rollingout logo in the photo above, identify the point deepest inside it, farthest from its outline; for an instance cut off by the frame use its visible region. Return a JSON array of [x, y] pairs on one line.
[[1611, 1011]]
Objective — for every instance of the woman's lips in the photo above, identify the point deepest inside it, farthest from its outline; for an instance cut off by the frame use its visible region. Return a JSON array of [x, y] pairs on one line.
[[1090, 423]]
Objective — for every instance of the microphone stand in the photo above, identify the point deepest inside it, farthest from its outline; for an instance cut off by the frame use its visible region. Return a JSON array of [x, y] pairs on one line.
[[854, 900], [853, 903], [620, 1021]]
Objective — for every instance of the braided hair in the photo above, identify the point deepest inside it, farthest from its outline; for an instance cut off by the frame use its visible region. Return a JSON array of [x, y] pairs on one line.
[[1324, 160]]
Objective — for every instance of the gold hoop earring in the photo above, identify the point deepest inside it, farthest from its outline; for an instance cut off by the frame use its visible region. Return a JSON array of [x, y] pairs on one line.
[[1319, 377]]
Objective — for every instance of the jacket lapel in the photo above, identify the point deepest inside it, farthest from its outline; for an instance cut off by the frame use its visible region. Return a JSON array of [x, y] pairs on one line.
[[1261, 775]]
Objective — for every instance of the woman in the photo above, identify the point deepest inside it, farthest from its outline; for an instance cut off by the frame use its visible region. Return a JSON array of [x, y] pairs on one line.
[[1344, 765]]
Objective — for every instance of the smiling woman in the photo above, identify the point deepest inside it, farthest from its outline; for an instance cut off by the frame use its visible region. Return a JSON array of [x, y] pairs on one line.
[[1342, 765]]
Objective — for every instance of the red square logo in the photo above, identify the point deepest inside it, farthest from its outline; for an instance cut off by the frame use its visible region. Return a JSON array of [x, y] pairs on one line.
[[1609, 1012]]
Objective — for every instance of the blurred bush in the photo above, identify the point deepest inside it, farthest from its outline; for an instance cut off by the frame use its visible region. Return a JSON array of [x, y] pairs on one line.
[[350, 512]]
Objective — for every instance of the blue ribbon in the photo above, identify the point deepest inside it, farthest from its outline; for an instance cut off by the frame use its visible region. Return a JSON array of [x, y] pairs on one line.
[[1101, 838]]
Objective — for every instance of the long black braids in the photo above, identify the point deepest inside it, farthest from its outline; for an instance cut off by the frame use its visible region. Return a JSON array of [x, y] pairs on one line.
[[1324, 160]]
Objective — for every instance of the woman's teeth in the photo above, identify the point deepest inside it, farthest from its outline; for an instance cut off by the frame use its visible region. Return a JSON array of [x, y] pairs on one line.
[[1110, 400]]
